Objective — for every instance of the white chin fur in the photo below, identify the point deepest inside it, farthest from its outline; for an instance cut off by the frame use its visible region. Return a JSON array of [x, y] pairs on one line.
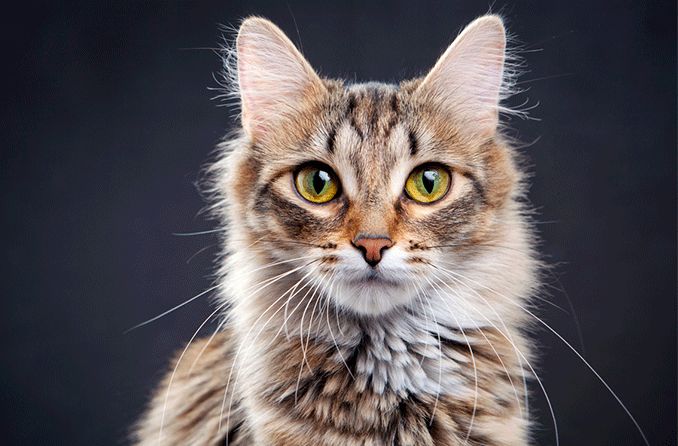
[[371, 299], [372, 291]]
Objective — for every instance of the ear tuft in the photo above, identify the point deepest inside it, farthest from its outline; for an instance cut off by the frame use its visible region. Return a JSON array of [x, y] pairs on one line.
[[467, 80], [273, 76]]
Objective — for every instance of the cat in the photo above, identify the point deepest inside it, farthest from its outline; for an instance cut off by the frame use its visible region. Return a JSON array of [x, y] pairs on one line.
[[376, 260]]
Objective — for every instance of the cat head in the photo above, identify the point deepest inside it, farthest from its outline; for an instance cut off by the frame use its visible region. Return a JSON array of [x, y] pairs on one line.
[[375, 192]]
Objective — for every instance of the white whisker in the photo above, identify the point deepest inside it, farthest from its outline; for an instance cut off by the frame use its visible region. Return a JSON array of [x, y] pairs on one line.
[[176, 307], [348, 369], [473, 360], [506, 372], [252, 341], [590, 367], [174, 371], [521, 356]]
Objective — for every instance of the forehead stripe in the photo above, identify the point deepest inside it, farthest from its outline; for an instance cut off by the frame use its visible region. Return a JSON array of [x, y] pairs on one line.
[[414, 143], [330, 139], [350, 114], [375, 109], [395, 105]]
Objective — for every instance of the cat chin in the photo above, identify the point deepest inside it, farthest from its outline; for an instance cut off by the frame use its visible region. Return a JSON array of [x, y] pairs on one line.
[[369, 291], [372, 297]]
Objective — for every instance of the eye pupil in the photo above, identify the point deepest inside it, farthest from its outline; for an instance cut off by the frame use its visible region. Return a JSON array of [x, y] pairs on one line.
[[320, 180], [427, 184], [317, 184], [428, 180]]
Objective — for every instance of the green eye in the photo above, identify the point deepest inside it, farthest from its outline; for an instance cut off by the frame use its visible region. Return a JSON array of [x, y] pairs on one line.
[[316, 183], [428, 183]]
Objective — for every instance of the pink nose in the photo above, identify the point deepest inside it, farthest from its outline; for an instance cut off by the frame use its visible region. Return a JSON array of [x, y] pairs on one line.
[[372, 247]]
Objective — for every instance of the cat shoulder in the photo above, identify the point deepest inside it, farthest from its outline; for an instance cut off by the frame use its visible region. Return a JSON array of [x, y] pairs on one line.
[[188, 406]]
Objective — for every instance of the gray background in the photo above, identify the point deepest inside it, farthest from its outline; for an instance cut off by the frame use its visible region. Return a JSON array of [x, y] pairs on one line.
[[107, 122]]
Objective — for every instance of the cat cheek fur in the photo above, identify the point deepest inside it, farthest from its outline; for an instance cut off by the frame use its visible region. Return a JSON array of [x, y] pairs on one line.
[[313, 350]]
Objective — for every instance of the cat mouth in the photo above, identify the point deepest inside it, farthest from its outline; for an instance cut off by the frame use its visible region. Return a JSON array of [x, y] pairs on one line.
[[375, 278]]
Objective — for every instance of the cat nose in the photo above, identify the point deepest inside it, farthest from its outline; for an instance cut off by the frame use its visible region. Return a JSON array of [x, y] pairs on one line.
[[372, 247]]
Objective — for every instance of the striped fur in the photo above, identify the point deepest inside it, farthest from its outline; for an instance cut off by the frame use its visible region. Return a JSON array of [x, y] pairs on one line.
[[317, 347]]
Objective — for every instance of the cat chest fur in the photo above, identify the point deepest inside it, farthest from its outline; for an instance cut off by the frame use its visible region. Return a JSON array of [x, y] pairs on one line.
[[383, 389]]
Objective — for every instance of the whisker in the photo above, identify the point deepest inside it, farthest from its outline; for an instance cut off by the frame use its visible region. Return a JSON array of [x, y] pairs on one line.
[[310, 323], [191, 234], [288, 314], [474, 246], [292, 295], [420, 298], [267, 238], [506, 372], [440, 367], [541, 299], [301, 335], [336, 316], [176, 307], [207, 344], [268, 282], [475, 368], [254, 324], [209, 341], [301, 340], [574, 350], [336, 346], [197, 253], [515, 348], [174, 371], [281, 262], [304, 348], [348, 369], [575, 317]]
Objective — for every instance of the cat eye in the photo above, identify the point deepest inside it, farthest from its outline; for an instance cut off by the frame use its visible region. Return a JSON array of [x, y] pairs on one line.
[[428, 183], [317, 183]]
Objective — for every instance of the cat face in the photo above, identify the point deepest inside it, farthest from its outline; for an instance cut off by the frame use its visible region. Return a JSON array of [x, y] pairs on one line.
[[374, 190]]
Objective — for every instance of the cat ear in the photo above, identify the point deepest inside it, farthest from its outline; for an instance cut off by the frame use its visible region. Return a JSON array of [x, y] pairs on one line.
[[273, 76], [467, 79]]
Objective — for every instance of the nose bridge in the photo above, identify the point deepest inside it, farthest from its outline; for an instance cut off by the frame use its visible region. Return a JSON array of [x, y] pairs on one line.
[[373, 220], [372, 207], [374, 212]]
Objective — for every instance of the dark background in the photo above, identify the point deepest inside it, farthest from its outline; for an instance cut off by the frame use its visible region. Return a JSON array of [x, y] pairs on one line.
[[107, 122]]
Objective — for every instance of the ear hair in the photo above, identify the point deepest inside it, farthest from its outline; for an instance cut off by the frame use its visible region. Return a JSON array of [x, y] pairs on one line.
[[272, 77], [471, 78]]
